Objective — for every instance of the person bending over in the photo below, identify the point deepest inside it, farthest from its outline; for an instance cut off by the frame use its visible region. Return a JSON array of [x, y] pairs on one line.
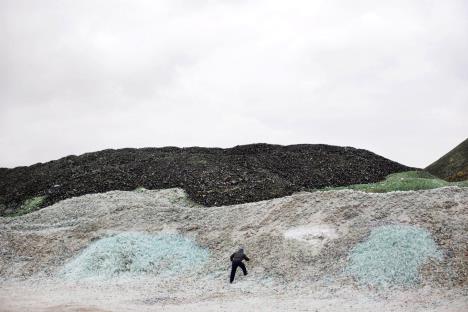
[[236, 260]]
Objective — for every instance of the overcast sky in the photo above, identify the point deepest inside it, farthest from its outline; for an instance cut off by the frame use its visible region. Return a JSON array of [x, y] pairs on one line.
[[81, 76]]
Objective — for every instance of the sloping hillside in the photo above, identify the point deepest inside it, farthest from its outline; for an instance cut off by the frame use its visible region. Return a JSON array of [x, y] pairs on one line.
[[453, 166], [143, 250], [210, 176]]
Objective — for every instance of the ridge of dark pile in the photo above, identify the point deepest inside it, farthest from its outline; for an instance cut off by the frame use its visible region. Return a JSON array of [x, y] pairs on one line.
[[210, 176]]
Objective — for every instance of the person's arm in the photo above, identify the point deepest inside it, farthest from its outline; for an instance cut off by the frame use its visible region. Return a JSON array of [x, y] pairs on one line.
[[232, 256], [246, 258]]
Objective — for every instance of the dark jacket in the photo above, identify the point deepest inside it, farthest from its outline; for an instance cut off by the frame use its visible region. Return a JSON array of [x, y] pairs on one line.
[[238, 256]]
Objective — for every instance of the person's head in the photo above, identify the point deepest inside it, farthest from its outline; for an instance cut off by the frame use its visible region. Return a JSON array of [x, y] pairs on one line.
[[241, 250]]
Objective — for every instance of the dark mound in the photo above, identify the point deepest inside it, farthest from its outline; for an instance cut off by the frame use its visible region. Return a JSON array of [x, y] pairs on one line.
[[210, 176], [453, 166]]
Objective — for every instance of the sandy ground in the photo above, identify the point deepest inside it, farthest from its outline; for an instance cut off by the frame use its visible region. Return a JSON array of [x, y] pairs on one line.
[[59, 296], [298, 246]]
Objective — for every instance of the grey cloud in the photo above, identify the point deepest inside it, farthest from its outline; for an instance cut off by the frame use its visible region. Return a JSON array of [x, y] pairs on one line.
[[78, 76]]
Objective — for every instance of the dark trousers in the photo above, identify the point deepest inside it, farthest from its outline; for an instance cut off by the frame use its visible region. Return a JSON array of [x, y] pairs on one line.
[[236, 264]]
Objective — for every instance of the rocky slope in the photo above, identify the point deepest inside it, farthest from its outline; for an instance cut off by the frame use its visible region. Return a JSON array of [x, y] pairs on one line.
[[453, 166], [299, 245], [300, 237], [210, 176]]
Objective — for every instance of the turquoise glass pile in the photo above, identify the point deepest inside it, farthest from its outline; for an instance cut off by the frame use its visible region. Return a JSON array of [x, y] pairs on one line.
[[392, 256], [130, 254]]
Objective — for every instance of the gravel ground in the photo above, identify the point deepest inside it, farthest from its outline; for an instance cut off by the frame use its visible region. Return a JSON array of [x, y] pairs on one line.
[[298, 247], [47, 296]]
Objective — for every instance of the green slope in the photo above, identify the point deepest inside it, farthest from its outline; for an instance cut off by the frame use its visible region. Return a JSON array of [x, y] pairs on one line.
[[404, 181], [453, 166]]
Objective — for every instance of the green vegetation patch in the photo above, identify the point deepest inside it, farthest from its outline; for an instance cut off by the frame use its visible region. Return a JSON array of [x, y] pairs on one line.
[[392, 256], [403, 181], [140, 189], [29, 205]]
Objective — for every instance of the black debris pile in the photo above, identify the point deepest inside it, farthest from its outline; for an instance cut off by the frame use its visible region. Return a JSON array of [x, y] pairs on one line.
[[210, 176]]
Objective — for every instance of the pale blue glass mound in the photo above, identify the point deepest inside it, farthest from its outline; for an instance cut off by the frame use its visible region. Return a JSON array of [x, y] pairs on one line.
[[392, 256], [132, 254]]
